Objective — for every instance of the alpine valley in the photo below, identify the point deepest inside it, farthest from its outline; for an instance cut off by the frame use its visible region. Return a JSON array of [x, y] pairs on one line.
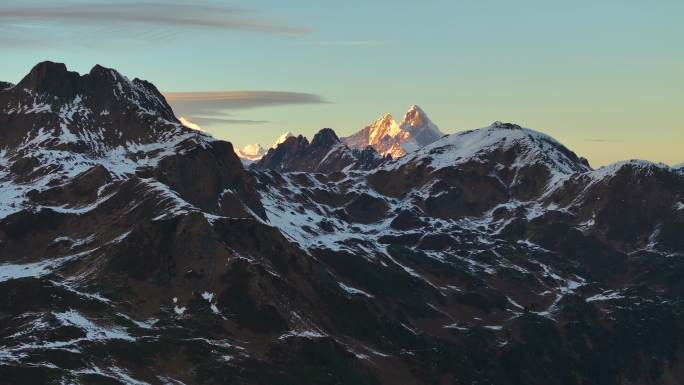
[[135, 250]]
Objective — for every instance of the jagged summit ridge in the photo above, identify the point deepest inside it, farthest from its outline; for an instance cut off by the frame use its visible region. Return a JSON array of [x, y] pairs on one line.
[[386, 135], [325, 153], [64, 137], [57, 124], [66, 108], [108, 88], [396, 139], [326, 137]]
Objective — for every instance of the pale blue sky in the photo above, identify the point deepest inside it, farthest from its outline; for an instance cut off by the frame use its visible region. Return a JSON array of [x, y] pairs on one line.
[[605, 78]]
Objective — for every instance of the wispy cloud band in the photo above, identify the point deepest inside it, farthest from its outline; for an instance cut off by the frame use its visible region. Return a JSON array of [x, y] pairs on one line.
[[205, 121], [145, 14], [240, 100], [205, 108], [343, 43], [602, 140]]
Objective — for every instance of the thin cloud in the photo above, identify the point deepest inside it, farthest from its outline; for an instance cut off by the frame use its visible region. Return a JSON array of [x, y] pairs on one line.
[[144, 15], [208, 102], [204, 121], [600, 140], [205, 108], [348, 43]]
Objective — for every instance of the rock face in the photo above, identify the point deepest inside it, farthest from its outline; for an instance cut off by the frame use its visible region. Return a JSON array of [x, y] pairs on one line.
[[388, 137], [136, 250]]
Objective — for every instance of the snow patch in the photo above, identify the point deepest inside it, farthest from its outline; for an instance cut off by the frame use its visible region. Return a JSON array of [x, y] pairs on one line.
[[302, 334], [605, 296], [10, 271], [353, 290], [93, 331]]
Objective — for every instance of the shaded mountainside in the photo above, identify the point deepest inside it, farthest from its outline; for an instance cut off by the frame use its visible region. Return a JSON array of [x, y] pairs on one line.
[[134, 250], [326, 154]]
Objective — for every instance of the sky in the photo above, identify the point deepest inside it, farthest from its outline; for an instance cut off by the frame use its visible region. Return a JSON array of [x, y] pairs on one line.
[[605, 78]]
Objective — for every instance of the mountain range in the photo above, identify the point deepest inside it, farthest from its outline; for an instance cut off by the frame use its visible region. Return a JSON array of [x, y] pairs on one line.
[[135, 250], [384, 135]]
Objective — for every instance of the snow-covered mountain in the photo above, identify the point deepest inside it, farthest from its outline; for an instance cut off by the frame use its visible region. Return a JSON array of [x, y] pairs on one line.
[[384, 135], [134, 250], [388, 137], [253, 152]]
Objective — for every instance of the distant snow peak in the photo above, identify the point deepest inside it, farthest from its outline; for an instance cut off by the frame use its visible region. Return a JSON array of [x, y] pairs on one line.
[[387, 136], [414, 117], [251, 152], [384, 120], [422, 130], [382, 128], [253, 149]]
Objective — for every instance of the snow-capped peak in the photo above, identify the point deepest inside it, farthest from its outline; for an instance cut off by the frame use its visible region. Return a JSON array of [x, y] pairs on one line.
[[415, 116], [422, 130], [384, 135], [385, 119], [251, 152], [253, 149], [389, 137], [531, 147], [385, 126]]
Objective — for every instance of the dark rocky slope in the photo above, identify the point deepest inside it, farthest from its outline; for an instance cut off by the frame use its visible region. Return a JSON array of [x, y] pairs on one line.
[[326, 154]]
